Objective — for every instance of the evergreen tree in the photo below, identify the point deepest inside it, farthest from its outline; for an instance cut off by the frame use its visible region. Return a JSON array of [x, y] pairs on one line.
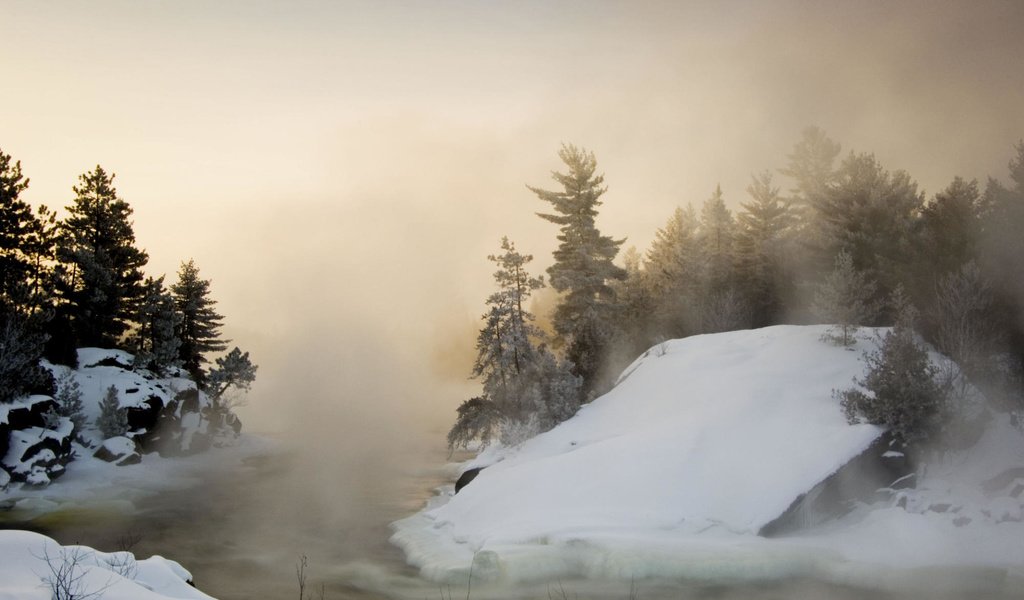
[[845, 299], [17, 224], [103, 283], [69, 400], [583, 267], [199, 324], [635, 327], [232, 370], [761, 249], [673, 269], [155, 342], [113, 420], [902, 393], [526, 389], [811, 166], [869, 213]]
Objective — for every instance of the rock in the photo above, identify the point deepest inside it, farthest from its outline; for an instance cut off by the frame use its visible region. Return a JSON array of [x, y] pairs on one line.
[[1003, 480], [467, 476], [860, 479], [5, 479], [37, 455], [120, 451]]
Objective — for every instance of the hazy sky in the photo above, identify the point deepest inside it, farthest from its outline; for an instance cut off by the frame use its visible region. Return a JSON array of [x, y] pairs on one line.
[[340, 170]]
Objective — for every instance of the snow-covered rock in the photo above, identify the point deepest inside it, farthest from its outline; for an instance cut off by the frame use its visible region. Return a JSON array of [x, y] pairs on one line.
[[119, 450], [673, 473], [31, 565], [32, 452]]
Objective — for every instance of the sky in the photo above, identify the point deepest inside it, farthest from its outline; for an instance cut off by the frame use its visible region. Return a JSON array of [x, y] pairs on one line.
[[341, 170]]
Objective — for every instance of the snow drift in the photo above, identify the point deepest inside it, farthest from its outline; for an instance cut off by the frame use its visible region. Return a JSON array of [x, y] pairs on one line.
[[672, 473], [31, 564]]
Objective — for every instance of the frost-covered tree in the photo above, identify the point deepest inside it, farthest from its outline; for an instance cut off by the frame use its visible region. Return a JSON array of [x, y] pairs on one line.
[[762, 242], [966, 327], [155, 341], [69, 400], [673, 274], [902, 393], [102, 284], [715, 240], [113, 420], [845, 299], [199, 325], [525, 387], [20, 349], [583, 267], [811, 166], [869, 213]]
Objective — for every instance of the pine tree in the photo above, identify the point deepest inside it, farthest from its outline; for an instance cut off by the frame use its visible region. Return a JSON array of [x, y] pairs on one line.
[[113, 420], [902, 393], [526, 389], [761, 248], [673, 270], [845, 299], [583, 266], [17, 224], [103, 282], [232, 370], [811, 166], [869, 213], [69, 400], [199, 326], [155, 342]]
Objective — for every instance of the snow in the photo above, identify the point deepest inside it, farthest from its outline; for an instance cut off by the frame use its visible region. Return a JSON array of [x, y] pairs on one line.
[[672, 473], [28, 562]]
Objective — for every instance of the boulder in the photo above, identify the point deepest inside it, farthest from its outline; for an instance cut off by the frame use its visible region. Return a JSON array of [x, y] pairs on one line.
[[120, 451], [37, 455], [467, 476]]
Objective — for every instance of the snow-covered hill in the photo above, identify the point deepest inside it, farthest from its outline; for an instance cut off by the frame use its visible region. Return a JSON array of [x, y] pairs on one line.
[[703, 442]]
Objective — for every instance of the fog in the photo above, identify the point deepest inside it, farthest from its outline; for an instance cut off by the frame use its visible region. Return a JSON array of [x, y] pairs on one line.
[[341, 170]]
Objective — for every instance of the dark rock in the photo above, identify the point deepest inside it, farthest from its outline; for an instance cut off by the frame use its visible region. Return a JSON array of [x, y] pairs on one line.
[[1003, 480], [120, 452], [941, 507], [111, 361], [961, 521], [467, 476], [857, 480], [144, 418]]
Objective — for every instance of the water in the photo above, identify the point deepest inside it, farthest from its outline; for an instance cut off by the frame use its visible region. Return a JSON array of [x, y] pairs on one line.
[[241, 531]]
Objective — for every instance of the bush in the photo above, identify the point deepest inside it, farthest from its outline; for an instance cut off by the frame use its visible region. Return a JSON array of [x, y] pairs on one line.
[[903, 395]]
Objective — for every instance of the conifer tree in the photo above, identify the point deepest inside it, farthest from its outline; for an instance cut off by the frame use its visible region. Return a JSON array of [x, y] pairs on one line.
[[199, 325], [673, 271], [761, 245], [583, 267], [526, 389], [233, 370], [17, 224], [845, 299], [155, 341], [811, 166], [103, 282], [113, 420]]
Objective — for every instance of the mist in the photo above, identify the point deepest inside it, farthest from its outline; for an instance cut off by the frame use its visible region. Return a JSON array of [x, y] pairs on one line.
[[341, 170]]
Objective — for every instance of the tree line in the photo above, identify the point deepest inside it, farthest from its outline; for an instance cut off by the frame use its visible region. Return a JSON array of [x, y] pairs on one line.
[[78, 281], [849, 242]]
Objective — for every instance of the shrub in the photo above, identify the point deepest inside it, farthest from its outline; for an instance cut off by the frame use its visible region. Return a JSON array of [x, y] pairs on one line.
[[902, 392]]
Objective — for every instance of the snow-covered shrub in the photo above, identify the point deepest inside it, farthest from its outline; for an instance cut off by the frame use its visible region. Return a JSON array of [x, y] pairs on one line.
[[113, 420], [902, 392], [69, 400]]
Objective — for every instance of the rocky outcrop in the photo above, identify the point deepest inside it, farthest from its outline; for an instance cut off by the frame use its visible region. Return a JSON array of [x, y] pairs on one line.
[[875, 474], [35, 451]]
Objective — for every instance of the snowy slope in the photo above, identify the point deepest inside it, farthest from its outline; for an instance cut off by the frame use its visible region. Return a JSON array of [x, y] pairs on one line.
[[29, 562], [672, 473]]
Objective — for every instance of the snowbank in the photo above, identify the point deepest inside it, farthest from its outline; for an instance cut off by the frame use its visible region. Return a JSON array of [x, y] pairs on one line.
[[672, 473], [30, 563]]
